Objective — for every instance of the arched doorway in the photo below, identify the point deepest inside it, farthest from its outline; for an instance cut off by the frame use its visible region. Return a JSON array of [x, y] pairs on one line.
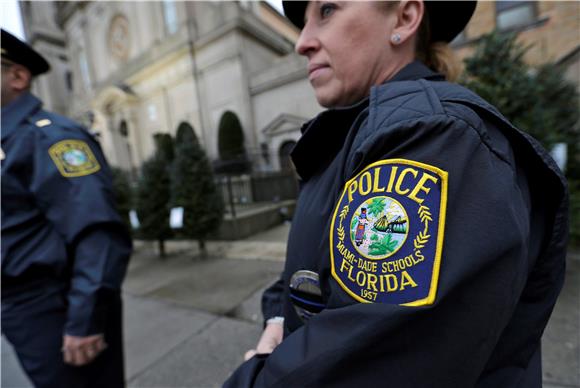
[[114, 121], [119, 139]]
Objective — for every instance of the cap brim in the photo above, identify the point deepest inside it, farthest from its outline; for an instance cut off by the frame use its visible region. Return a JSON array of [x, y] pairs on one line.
[[447, 18], [21, 53], [294, 11]]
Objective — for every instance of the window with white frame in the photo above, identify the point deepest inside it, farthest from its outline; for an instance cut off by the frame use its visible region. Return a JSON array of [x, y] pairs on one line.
[[84, 68], [514, 14], [170, 16]]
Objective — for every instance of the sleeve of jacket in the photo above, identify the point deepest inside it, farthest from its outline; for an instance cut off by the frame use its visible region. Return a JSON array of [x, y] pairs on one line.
[[75, 193], [484, 268], [272, 300]]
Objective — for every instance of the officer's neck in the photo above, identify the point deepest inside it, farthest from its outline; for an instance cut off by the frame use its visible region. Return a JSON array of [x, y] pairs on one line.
[[9, 96]]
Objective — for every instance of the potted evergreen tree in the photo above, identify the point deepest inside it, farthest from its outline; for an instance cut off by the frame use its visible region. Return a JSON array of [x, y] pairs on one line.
[[193, 189], [153, 193]]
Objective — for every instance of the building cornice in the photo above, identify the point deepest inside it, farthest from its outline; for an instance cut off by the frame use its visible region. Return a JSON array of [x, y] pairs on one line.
[[65, 9], [273, 128], [37, 35], [279, 81], [164, 52], [289, 69], [252, 27]]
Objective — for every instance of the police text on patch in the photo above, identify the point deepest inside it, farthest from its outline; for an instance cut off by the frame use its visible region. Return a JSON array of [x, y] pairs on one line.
[[387, 233]]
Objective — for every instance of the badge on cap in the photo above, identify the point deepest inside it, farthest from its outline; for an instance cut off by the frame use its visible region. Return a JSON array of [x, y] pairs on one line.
[[74, 158], [387, 233]]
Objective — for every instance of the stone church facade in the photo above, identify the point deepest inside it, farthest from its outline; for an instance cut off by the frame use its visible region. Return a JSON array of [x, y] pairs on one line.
[[131, 69], [128, 70]]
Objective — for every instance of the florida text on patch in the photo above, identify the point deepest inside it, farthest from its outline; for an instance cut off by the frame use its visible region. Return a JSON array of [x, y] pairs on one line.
[[386, 233], [73, 158]]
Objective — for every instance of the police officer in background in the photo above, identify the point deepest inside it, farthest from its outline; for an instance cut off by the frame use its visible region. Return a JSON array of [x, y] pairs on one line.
[[65, 249], [428, 244]]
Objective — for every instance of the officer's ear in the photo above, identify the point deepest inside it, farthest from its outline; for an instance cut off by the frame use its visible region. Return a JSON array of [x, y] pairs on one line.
[[409, 16], [18, 77]]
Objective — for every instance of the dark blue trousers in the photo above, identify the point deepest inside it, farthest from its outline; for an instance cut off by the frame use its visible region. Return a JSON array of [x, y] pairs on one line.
[[33, 323]]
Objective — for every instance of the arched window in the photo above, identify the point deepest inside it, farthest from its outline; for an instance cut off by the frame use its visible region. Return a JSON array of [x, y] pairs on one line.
[[84, 68], [170, 16], [230, 137], [123, 130], [232, 153], [123, 148], [284, 155], [184, 133]]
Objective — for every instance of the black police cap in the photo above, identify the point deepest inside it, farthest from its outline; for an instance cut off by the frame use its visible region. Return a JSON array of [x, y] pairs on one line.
[[446, 18], [15, 50]]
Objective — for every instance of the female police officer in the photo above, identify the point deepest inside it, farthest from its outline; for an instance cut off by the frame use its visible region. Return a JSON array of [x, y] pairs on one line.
[[461, 259]]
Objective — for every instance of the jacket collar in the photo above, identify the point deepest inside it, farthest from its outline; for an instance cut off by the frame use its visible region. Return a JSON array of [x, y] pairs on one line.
[[414, 71], [323, 136], [17, 111]]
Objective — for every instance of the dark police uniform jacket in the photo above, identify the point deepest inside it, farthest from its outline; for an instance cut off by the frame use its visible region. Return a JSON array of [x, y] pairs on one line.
[[60, 229], [463, 255]]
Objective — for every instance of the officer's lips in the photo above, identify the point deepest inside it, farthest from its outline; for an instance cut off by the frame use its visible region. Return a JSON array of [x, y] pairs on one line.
[[315, 70]]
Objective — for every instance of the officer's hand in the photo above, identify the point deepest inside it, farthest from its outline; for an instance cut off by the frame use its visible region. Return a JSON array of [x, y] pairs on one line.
[[271, 337], [80, 351]]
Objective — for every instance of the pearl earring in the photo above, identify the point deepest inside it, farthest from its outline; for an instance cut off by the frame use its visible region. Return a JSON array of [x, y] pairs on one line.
[[396, 38]]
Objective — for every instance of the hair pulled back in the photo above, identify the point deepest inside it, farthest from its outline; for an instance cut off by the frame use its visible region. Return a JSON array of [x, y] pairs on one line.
[[438, 56]]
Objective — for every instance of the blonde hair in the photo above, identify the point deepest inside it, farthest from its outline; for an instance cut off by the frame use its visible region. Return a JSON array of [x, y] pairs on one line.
[[438, 56]]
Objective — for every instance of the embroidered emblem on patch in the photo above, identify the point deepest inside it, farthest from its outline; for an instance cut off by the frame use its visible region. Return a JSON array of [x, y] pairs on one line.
[[387, 233], [73, 158]]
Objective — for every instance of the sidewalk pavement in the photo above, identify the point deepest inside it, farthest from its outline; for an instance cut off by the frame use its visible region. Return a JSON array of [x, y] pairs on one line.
[[189, 321]]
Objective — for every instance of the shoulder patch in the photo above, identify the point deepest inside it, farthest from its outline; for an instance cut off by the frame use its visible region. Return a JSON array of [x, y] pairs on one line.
[[73, 158], [386, 233]]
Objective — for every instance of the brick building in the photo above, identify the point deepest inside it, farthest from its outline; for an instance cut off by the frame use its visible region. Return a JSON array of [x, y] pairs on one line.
[[552, 28]]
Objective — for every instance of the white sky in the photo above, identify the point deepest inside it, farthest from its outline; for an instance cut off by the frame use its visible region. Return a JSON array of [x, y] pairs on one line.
[[277, 4], [10, 18], [11, 21]]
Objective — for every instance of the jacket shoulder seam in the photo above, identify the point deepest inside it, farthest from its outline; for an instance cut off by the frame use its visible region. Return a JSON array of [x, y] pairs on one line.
[[482, 136]]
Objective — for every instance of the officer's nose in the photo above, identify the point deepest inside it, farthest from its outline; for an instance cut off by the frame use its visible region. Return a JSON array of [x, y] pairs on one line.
[[307, 43]]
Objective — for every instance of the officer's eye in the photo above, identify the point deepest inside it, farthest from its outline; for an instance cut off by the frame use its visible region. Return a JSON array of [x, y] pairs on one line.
[[326, 9]]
